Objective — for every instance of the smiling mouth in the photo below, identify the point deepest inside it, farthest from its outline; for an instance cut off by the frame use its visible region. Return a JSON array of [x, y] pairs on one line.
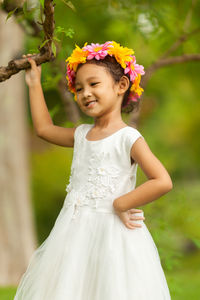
[[91, 103]]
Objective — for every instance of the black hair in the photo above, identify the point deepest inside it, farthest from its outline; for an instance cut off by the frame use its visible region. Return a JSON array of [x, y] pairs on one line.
[[116, 71]]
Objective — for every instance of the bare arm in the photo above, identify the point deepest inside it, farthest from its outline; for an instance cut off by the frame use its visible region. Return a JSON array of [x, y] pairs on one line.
[[159, 182], [58, 135], [42, 121]]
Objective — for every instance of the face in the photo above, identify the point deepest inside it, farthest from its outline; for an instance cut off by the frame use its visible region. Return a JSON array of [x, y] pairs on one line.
[[95, 83]]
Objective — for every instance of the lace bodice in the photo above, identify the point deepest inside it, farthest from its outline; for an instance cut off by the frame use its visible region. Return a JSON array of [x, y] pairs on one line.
[[101, 170]]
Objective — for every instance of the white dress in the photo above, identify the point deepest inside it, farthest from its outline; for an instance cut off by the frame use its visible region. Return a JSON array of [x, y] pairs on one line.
[[90, 254]]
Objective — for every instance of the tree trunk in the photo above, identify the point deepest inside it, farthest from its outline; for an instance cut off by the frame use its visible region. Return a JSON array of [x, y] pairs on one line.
[[17, 228]]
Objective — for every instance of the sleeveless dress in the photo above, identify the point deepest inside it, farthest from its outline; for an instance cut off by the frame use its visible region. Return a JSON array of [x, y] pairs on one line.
[[90, 254]]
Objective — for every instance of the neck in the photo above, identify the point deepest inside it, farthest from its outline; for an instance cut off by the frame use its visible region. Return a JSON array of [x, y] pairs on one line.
[[108, 121]]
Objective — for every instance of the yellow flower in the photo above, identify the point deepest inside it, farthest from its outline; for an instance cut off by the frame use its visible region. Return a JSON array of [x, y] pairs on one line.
[[78, 56], [121, 54], [135, 86]]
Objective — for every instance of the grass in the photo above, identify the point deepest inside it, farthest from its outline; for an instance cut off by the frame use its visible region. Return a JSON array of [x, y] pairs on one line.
[[184, 282], [7, 293]]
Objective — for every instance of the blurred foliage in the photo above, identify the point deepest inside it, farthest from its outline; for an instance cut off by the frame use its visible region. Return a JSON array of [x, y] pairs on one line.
[[49, 177], [7, 293], [169, 121]]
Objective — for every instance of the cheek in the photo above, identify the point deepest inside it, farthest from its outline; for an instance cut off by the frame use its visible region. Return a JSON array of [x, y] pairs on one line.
[[103, 89], [78, 100]]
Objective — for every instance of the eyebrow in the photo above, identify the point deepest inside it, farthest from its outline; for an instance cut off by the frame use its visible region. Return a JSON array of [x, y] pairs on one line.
[[92, 77]]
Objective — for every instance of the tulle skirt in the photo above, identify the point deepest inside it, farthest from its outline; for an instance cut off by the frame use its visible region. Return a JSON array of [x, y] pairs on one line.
[[94, 256]]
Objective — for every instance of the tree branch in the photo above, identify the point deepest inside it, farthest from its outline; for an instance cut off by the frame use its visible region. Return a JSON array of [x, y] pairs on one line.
[[14, 66], [181, 40], [166, 62]]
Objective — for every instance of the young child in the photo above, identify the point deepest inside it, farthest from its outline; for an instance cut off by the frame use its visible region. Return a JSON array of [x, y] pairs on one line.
[[99, 247]]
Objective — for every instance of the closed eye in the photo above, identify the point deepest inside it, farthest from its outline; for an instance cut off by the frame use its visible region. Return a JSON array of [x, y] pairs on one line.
[[92, 84], [78, 90]]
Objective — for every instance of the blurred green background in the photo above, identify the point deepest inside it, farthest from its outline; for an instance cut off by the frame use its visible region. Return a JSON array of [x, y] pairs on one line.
[[169, 120]]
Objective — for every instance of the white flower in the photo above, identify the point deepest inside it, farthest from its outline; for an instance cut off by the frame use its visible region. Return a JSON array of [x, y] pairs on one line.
[[102, 182]]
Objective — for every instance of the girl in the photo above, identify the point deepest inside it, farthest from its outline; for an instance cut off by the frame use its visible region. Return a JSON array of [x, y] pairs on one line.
[[98, 248]]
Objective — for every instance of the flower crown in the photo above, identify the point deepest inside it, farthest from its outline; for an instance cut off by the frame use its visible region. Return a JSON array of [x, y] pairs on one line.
[[123, 55]]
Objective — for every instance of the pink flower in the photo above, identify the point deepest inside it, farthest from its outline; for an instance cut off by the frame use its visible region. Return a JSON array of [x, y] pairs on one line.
[[70, 74], [133, 97], [97, 51], [133, 69]]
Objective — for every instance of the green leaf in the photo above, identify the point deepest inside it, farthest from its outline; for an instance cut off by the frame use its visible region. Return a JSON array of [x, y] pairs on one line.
[[42, 3], [11, 13], [25, 9], [53, 47], [42, 45], [70, 5], [34, 50], [56, 39], [59, 29], [69, 33]]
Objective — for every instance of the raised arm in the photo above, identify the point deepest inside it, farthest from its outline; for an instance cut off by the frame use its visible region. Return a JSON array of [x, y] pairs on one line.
[[42, 121]]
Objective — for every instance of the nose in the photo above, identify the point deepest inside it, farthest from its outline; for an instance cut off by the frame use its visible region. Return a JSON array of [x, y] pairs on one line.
[[87, 93]]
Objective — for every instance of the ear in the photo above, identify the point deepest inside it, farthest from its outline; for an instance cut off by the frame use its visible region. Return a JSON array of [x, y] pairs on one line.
[[123, 85]]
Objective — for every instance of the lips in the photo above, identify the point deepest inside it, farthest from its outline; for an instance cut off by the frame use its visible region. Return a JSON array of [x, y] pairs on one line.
[[87, 103]]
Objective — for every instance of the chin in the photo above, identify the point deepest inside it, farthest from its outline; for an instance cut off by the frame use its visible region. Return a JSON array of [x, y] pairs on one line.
[[91, 112]]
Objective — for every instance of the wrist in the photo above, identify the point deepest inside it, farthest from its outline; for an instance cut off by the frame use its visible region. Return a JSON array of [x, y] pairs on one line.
[[35, 85], [117, 204]]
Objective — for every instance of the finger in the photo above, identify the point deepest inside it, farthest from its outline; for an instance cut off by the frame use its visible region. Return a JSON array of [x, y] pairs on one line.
[[135, 225], [137, 218], [33, 63], [129, 226], [25, 55], [133, 216], [135, 210], [39, 68]]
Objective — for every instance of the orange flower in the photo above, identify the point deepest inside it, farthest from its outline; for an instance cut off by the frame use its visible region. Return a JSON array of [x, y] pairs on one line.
[[122, 54], [78, 56], [135, 86]]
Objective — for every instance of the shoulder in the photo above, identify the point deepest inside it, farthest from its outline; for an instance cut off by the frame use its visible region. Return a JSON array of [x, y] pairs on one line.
[[131, 135], [81, 128], [133, 130]]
